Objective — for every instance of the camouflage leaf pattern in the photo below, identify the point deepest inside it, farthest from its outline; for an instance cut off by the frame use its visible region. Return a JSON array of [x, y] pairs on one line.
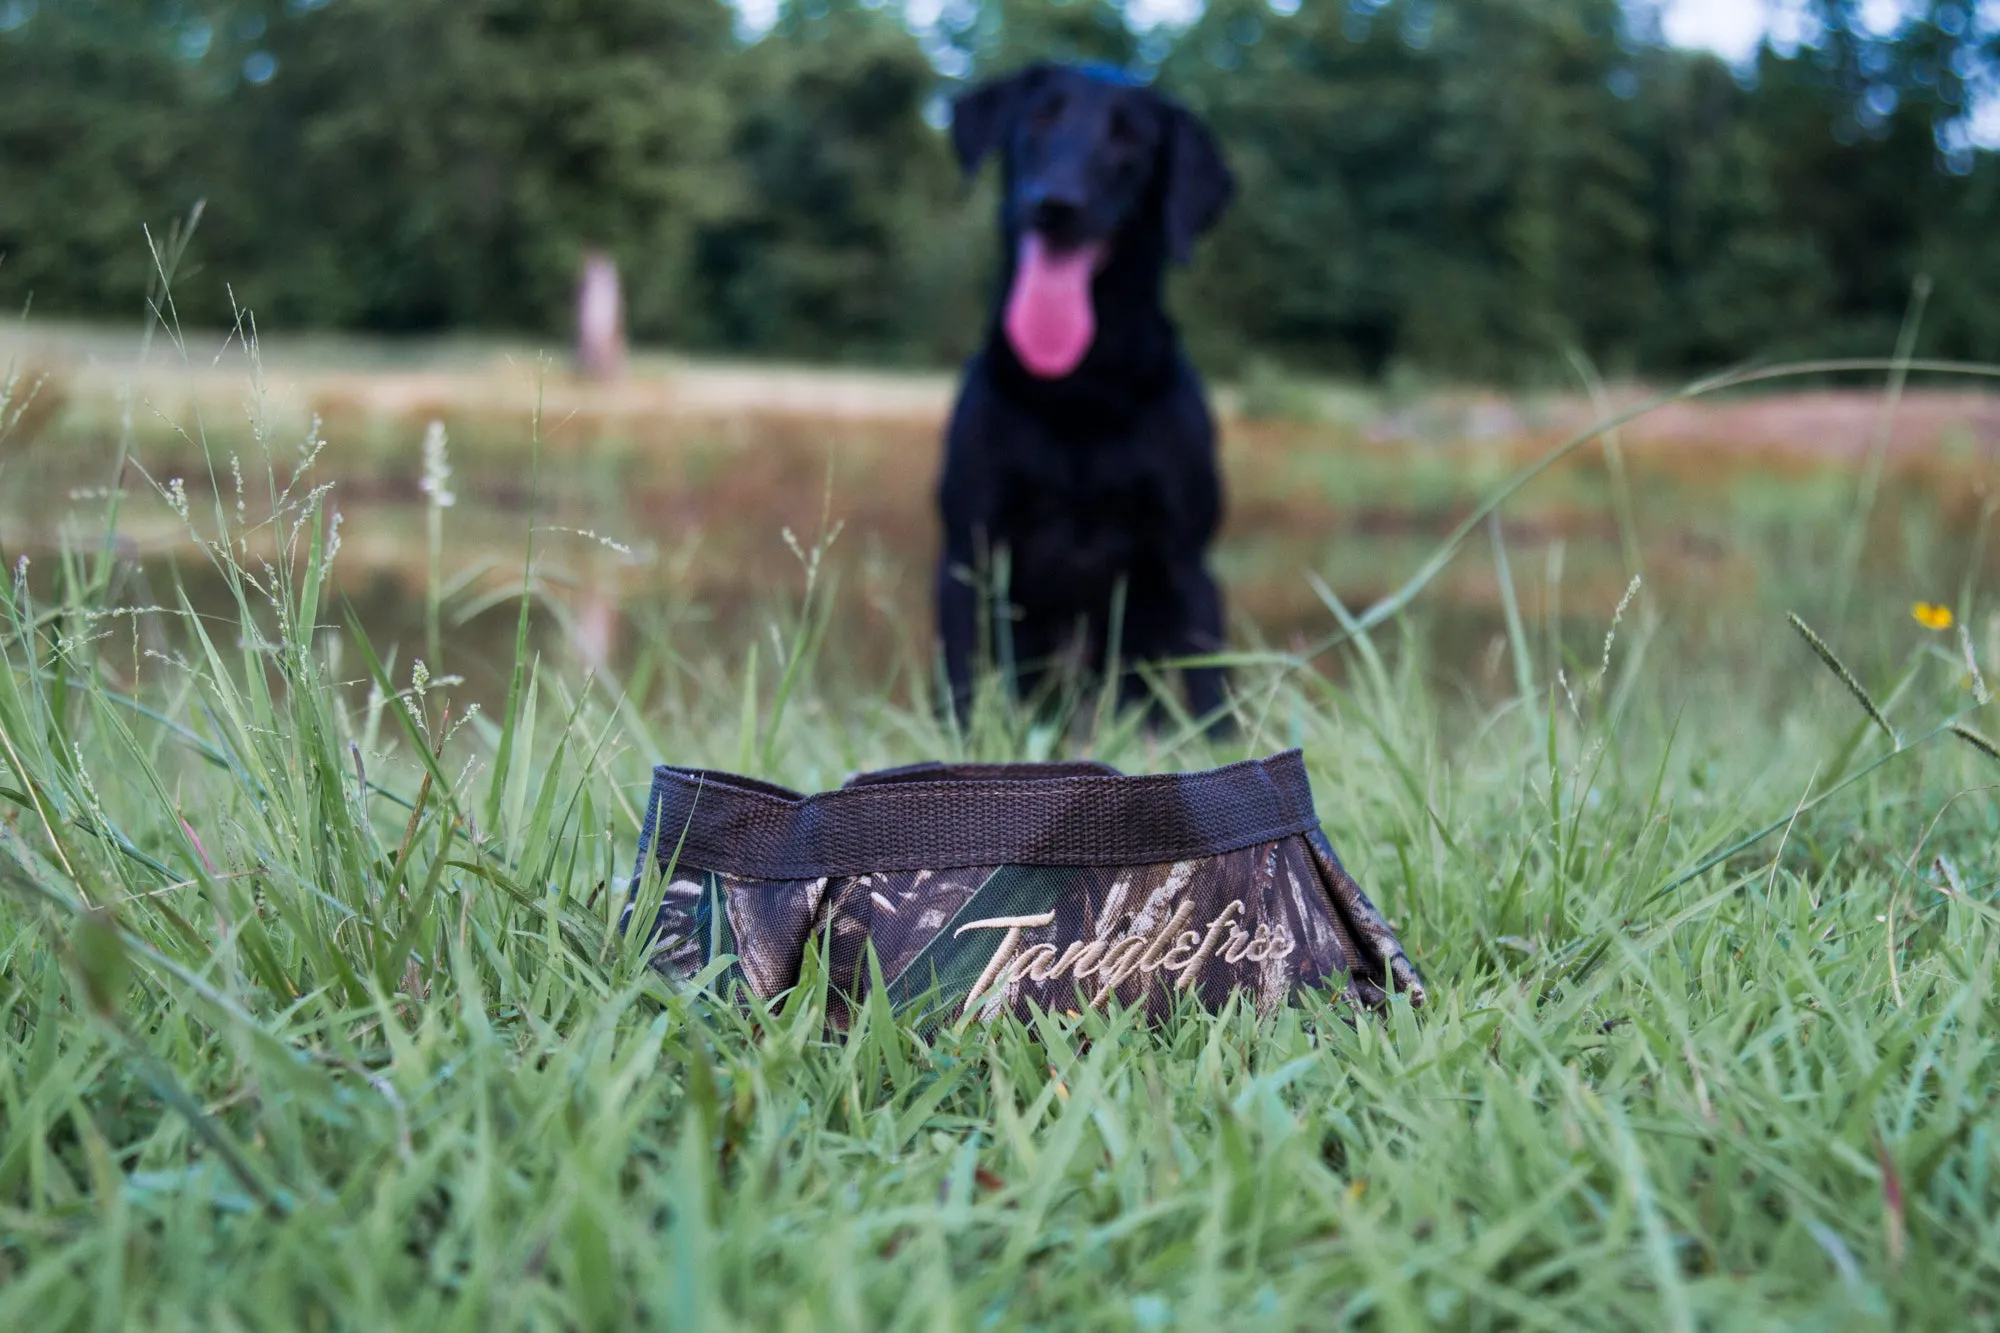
[[1266, 921]]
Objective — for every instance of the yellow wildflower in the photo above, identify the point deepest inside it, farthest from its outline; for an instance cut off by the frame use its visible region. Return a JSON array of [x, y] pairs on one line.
[[1932, 617]]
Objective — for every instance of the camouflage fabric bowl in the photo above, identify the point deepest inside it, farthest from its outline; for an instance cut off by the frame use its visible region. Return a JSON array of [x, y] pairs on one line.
[[983, 887]]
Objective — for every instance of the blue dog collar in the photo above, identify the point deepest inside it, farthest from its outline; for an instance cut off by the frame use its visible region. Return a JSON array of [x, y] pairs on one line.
[[1105, 72]]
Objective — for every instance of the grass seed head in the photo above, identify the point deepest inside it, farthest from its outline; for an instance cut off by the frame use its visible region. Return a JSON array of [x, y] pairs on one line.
[[436, 480], [1846, 677], [1976, 741]]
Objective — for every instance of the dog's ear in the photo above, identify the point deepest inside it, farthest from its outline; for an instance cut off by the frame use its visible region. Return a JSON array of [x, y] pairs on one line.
[[981, 116], [1199, 183]]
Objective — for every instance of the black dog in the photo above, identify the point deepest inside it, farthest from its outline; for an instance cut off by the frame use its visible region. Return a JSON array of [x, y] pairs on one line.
[[1080, 445]]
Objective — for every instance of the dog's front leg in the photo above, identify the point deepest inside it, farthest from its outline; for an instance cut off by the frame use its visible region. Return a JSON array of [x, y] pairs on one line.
[[1202, 634], [958, 630]]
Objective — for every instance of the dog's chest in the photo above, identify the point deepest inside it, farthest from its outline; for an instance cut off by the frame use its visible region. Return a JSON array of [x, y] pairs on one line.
[[1076, 517], [1103, 484]]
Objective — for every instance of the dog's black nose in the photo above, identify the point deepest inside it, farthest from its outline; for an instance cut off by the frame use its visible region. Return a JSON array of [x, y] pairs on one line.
[[1056, 217]]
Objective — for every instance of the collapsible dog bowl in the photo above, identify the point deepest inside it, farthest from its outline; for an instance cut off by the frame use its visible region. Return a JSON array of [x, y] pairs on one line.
[[983, 887]]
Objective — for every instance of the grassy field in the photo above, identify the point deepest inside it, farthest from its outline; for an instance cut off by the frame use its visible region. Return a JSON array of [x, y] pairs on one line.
[[317, 1015], [692, 471]]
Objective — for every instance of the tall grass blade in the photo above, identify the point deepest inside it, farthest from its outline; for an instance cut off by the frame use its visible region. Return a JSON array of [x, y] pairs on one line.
[[1510, 605]]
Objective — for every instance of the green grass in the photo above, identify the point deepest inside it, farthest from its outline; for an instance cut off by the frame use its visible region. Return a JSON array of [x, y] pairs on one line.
[[317, 1016]]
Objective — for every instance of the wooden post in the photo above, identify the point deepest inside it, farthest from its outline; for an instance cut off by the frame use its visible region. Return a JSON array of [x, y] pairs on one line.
[[600, 319]]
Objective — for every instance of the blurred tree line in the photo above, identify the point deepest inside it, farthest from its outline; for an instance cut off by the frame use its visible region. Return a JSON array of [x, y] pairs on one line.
[[1461, 187]]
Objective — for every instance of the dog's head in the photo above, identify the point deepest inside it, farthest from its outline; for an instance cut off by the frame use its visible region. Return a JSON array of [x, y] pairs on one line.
[[1093, 162]]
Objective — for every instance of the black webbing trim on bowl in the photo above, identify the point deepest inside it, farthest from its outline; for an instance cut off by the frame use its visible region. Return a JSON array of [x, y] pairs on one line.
[[934, 771], [755, 830]]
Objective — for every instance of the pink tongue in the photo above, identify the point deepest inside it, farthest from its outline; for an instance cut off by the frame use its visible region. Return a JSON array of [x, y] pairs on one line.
[[1048, 318]]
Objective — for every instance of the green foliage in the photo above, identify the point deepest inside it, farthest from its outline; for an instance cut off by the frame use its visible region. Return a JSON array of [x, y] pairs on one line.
[[1469, 188], [844, 244], [1472, 186], [1473, 203], [430, 164], [1001, 34], [100, 133]]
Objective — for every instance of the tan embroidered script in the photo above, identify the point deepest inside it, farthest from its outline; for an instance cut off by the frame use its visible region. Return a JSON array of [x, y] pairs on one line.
[[1170, 947]]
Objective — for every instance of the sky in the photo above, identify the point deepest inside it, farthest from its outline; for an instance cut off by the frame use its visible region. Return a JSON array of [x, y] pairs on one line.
[[1735, 28], [1732, 28]]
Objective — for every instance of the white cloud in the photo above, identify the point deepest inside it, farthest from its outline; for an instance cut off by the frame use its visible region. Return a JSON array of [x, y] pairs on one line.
[[755, 17], [1983, 127], [1733, 29], [1885, 16], [1149, 13]]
